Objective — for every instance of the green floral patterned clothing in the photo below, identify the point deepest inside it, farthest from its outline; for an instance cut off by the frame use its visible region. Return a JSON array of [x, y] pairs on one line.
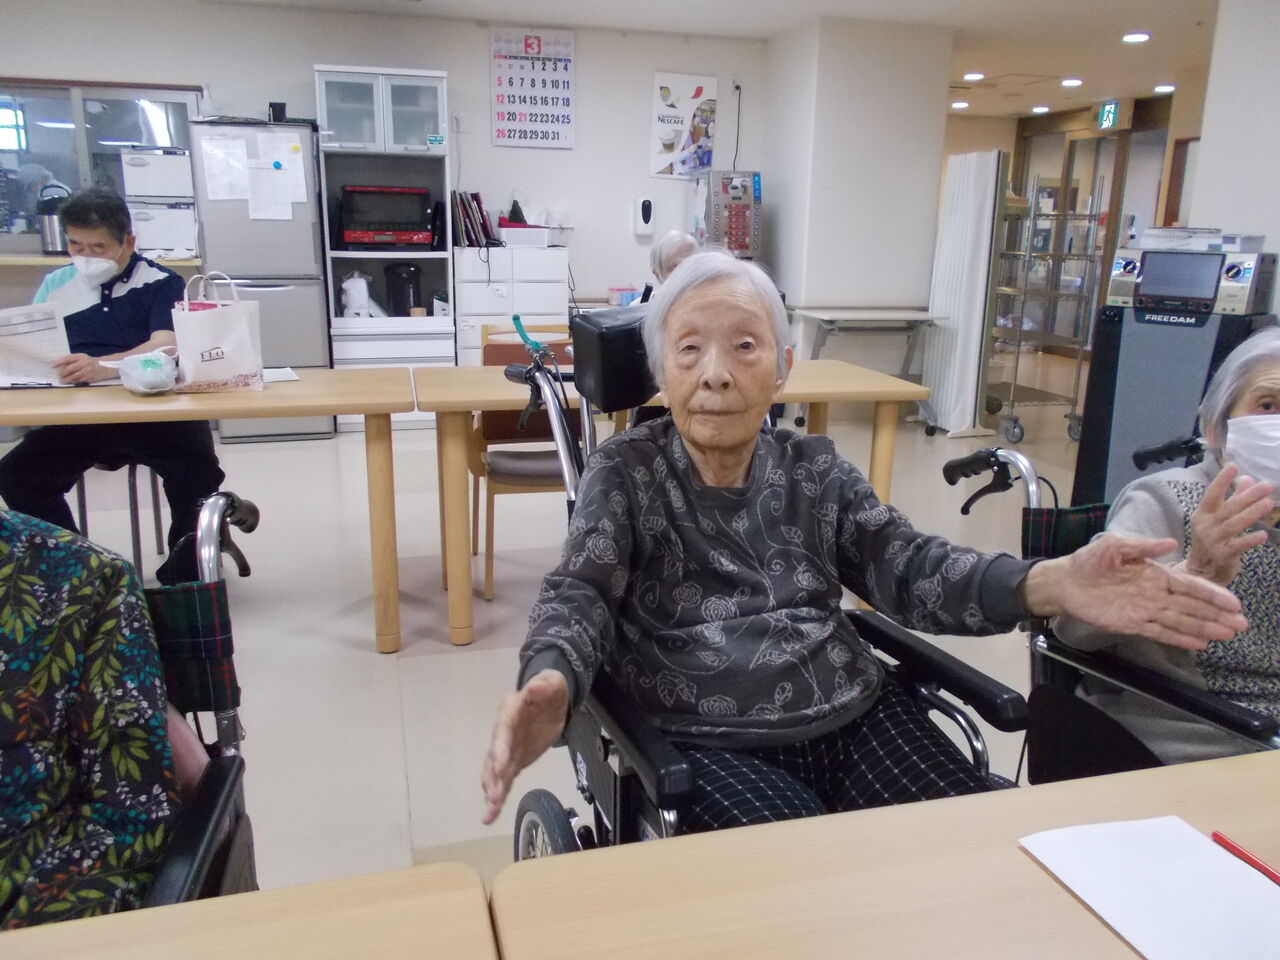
[[87, 790]]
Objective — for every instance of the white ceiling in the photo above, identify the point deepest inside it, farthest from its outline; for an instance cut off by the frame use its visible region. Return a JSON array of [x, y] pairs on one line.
[[1024, 47]]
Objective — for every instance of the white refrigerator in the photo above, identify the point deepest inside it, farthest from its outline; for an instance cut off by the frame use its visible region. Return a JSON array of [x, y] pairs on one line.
[[273, 258]]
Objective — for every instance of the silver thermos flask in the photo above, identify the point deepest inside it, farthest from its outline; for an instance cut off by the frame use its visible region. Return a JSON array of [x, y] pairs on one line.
[[52, 238]]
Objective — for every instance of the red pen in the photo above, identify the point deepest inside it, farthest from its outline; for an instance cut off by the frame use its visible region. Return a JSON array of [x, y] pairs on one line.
[[1236, 850]]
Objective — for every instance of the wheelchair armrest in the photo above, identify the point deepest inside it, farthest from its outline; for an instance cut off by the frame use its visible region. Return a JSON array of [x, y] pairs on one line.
[[662, 769], [1177, 694], [1002, 707], [199, 829]]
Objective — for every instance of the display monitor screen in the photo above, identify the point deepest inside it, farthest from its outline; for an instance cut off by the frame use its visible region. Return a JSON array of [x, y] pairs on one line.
[[1190, 276]]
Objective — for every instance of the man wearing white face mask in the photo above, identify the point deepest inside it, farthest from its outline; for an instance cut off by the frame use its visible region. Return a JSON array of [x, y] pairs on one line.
[[114, 303], [1224, 513]]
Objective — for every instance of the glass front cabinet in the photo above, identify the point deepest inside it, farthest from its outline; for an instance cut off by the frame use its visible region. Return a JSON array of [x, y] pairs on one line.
[[386, 112]]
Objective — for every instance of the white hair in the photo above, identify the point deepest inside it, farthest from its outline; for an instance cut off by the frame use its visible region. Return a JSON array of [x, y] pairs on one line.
[[670, 248], [708, 266], [1231, 380]]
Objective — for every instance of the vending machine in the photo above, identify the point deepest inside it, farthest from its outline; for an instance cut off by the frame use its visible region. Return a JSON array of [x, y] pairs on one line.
[[725, 211]]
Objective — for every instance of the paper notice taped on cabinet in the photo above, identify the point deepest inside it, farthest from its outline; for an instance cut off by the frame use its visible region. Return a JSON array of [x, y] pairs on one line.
[[287, 149], [269, 191], [225, 169], [31, 338]]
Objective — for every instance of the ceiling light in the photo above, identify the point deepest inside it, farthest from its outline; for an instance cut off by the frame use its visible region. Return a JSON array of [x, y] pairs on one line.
[[1138, 36], [56, 124], [1072, 82], [959, 104], [1040, 108], [975, 77], [1164, 88]]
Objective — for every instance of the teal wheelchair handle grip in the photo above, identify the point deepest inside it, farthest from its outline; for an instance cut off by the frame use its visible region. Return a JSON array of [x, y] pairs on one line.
[[533, 345]]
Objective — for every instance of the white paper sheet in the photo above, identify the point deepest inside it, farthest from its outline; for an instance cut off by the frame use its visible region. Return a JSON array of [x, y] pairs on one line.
[[269, 191], [278, 374], [225, 169], [287, 149], [1166, 888], [31, 338]]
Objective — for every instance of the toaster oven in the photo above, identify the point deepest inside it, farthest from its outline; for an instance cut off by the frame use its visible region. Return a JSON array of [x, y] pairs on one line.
[[385, 216]]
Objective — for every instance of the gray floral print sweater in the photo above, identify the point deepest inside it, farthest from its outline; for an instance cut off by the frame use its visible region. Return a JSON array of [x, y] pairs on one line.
[[718, 609]]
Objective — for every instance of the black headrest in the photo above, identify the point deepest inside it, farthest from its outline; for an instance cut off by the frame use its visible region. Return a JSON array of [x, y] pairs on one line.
[[609, 364]]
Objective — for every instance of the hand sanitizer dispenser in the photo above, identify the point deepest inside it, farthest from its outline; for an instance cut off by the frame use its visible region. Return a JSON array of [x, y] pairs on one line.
[[642, 217]]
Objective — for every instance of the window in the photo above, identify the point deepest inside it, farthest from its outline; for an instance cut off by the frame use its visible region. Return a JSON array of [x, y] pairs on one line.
[[13, 134], [75, 136]]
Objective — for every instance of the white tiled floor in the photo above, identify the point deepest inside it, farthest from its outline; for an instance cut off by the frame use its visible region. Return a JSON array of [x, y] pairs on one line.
[[360, 761]]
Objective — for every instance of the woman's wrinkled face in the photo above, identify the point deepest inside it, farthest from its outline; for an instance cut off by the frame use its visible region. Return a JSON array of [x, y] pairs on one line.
[[720, 365], [1261, 394]]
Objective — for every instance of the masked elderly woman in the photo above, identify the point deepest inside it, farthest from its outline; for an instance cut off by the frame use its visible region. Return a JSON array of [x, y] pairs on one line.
[[703, 570], [1222, 515]]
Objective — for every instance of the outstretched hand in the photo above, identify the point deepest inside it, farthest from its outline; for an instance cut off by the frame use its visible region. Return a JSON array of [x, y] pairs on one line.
[[1115, 584], [1218, 537], [529, 721]]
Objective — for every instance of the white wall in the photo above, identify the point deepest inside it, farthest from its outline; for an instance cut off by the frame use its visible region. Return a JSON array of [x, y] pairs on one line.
[[1235, 184], [978, 134], [877, 158], [788, 154], [1142, 180], [248, 55]]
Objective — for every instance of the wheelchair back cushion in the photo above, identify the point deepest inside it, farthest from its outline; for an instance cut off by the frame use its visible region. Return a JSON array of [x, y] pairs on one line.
[[610, 365], [1049, 532], [87, 789]]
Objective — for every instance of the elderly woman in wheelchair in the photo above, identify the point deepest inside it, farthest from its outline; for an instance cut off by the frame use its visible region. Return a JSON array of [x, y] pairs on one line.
[[1222, 513], [703, 574]]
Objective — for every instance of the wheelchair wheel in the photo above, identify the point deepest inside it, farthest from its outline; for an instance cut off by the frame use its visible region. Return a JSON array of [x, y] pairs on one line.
[[542, 827]]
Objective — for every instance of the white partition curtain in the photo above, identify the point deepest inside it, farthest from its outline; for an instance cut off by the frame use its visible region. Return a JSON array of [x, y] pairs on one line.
[[961, 260]]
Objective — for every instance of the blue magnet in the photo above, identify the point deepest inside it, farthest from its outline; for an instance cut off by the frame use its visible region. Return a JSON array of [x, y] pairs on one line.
[[278, 165]]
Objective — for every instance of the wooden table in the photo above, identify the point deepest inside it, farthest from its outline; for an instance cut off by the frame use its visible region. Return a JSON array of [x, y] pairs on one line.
[[454, 393], [938, 879], [434, 911], [374, 393]]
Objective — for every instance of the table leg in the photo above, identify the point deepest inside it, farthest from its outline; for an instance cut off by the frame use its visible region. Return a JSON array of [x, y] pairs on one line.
[[451, 435], [382, 531], [817, 419], [444, 571], [882, 438]]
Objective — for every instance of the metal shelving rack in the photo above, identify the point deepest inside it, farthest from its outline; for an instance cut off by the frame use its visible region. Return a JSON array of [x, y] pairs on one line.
[[1031, 305]]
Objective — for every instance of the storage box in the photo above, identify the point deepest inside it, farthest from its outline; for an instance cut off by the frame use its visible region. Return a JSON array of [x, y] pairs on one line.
[[525, 236]]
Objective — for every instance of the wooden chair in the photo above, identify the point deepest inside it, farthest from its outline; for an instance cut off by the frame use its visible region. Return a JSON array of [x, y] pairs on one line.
[[506, 470]]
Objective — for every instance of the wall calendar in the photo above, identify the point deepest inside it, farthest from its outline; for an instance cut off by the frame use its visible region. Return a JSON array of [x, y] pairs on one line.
[[533, 88]]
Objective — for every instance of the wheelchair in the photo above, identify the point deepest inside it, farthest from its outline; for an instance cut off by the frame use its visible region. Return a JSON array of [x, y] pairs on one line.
[[210, 852], [1068, 737], [636, 784]]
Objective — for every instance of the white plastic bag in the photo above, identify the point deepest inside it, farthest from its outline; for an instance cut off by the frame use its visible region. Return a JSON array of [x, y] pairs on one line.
[[219, 342], [148, 373]]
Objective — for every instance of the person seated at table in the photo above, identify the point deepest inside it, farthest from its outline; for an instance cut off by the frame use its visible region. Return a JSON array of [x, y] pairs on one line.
[[704, 567], [1222, 514], [88, 789], [114, 303], [667, 253]]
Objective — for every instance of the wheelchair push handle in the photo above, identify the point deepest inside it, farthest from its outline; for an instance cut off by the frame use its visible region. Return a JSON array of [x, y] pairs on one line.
[[998, 460], [516, 372], [1175, 449], [953, 471]]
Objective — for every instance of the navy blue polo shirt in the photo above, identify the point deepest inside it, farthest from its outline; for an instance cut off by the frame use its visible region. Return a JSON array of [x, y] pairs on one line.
[[117, 315]]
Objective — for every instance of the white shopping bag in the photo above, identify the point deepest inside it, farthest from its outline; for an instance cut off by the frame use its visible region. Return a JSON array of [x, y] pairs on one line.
[[219, 343]]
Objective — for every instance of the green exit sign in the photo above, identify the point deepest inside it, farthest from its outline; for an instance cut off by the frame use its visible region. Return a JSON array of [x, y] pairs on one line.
[[1108, 114]]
